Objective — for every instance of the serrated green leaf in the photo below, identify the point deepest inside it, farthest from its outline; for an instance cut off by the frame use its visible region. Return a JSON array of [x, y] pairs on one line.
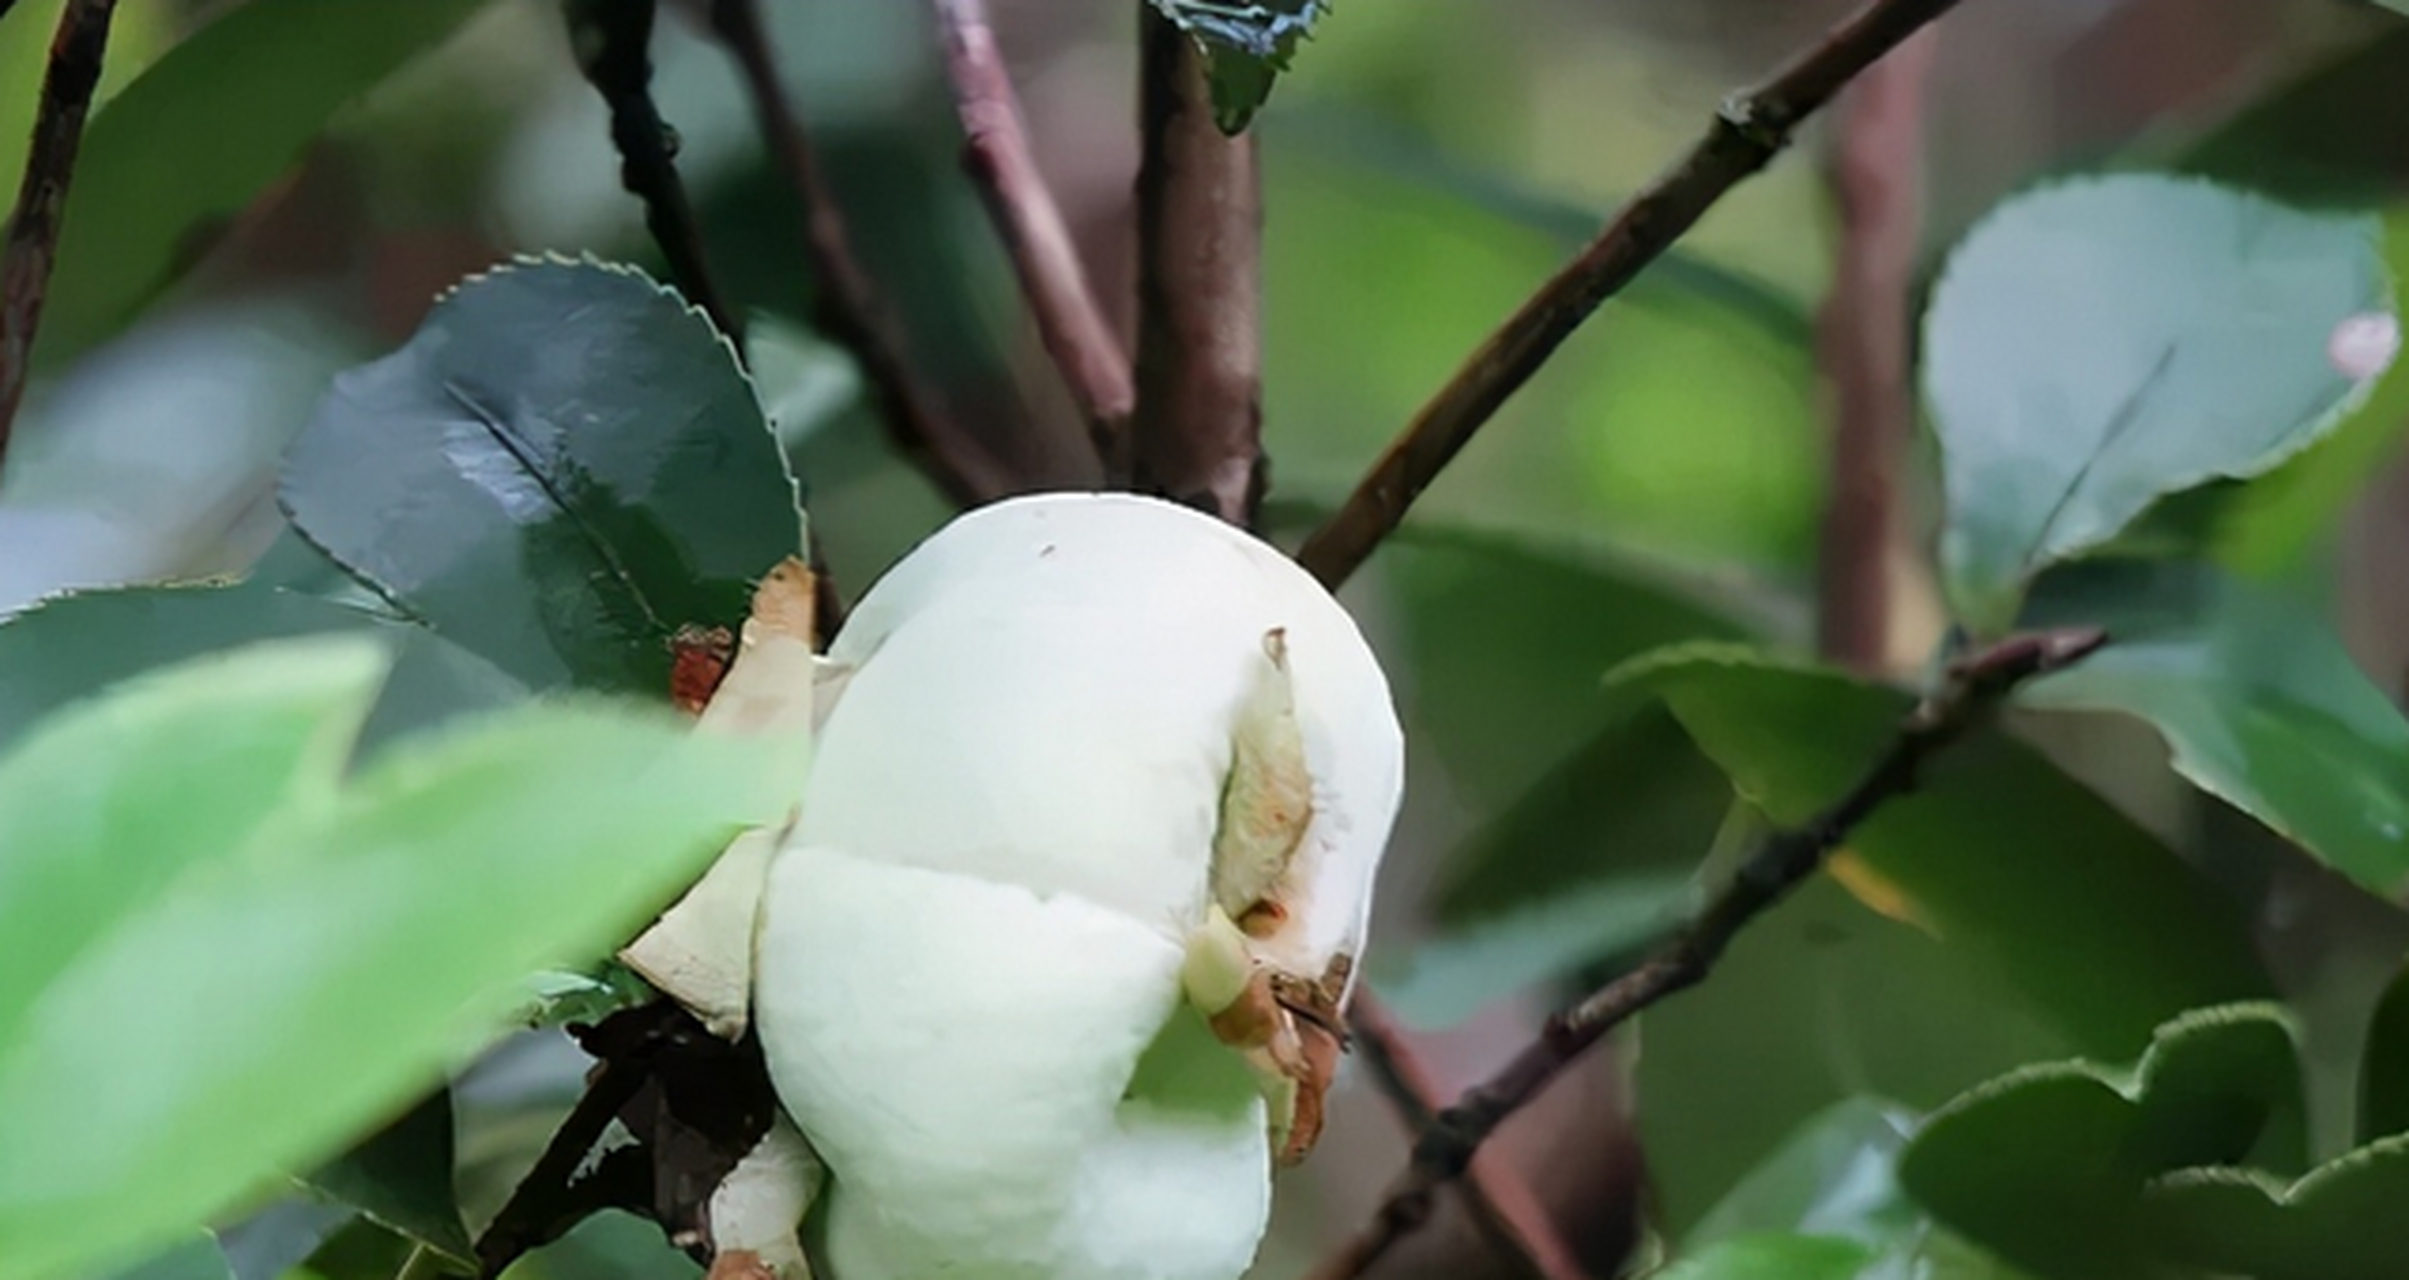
[[2255, 694], [1987, 852], [2096, 346], [1246, 45], [168, 164], [2333, 1224], [558, 471], [2048, 1166], [287, 989], [401, 1178]]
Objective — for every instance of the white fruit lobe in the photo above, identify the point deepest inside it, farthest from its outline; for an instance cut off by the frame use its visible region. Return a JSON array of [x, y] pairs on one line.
[[969, 965]]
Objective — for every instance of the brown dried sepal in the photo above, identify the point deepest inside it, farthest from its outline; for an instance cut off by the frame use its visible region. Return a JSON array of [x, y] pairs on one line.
[[1291, 1031]]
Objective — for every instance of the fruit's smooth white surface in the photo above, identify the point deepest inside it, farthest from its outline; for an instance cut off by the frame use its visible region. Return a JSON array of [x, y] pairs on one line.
[[968, 973]]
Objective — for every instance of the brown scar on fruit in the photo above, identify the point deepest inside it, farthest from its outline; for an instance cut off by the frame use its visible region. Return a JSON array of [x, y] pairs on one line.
[[1292, 1031], [699, 660]]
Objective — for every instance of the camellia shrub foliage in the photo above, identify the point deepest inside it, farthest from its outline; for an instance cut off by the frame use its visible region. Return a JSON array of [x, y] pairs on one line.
[[1014, 921]]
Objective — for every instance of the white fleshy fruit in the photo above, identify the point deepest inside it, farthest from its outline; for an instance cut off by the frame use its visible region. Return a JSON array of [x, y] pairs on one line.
[[1073, 738]]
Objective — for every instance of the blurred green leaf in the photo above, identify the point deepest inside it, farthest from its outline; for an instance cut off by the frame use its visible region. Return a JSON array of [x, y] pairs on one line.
[[1670, 392], [2047, 1166], [197, 1258], [166, 167], [401, 1178], [558, 471], [110, 806], [1821, 1001], [2255, 694], [264, 992], [2384, 1065], [1775, 1257], [1832, 1178], [2337, 1223], [1995, 851], [2203, 354], [1469, 966], [73, 645], [1246, 45], [2328, 137]]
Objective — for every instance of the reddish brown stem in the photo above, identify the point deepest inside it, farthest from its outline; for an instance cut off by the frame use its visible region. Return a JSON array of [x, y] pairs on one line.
[[1864, 341], [76, 53], [997, 156], [1746, 134], [1500, 1202], [1197, 435], [1971, 689], [850, 308]]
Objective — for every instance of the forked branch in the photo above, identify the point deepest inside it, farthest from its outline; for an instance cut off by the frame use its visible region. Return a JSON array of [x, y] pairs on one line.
[[1972, 688], [32, 249], [1746, 134]]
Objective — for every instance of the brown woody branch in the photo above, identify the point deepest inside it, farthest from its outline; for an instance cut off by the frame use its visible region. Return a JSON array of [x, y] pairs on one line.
[[997, 156], [1971, 689], [1864, 341], [613, 43], [1746, 134], [1499, 1201], [849, 307], [1197, 434], [76, 53]]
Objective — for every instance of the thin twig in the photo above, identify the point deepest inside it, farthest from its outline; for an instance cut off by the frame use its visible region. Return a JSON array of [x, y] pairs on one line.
[[1863, 339], [1745, 136], [1500, 1202], [613, 43], [848, 305], [1971, 689], [997, 156], [1198, 430], [546, 1202], [76, 52]]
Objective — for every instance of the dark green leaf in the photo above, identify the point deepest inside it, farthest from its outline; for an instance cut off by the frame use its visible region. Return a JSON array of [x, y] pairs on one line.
[[274, 1240], [2337, 1223], [2384, 1066], [168, 164], [2255, 694], [2048, 1166], [1470, 966], [401, 1177], [562, 468], [2201, 349], [1995, 851], [2327, 137], [1246, 45], [300, 978], [74, 645]]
